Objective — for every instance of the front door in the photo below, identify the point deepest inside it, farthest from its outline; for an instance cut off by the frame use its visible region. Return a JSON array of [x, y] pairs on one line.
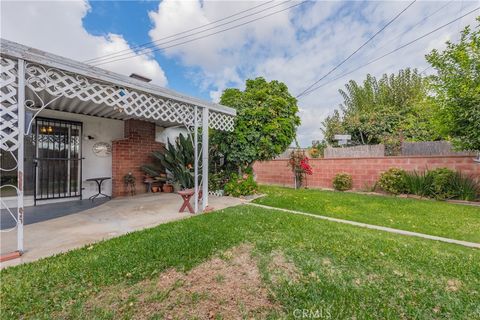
[[58, 159]]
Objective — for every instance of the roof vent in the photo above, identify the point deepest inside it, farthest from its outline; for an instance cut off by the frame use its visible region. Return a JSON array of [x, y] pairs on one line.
[[139, 77]]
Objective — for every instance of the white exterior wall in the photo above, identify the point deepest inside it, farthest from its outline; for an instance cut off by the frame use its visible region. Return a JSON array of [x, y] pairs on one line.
[[104, 130], [164, 134]]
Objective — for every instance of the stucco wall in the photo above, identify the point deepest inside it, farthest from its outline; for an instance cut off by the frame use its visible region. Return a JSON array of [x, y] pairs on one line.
[[103, 130], [162, 135]]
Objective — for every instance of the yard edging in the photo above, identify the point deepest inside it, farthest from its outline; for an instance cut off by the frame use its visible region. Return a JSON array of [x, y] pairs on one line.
[[372, 226]]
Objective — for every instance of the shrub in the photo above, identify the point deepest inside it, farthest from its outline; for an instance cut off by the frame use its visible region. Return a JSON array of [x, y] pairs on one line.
[[465, 187], [241, 186], [442, 184], [442, 187], [314, 152], [217, 180], [418, 183], [299, 163], [393, 181], [342, 182]]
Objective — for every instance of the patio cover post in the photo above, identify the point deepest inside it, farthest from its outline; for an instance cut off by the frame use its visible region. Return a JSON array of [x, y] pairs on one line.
[[195, 159], [21, 151], [205, 114]]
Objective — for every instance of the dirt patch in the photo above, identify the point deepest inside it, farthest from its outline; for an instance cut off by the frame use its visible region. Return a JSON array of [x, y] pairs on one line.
[[225, 287], [453, 285], [281, 269]]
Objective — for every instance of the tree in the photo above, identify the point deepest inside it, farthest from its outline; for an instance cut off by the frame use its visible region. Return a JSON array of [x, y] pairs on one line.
[[387, 110], [457, 89], [332, 125], [265, 125]]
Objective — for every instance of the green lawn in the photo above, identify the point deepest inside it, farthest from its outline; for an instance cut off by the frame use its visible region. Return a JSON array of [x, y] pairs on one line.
[[425, 216], [342, 271]]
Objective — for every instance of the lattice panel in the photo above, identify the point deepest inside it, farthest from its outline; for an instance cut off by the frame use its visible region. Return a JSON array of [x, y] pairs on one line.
[[135, 103], [9, 133], [221, 121]]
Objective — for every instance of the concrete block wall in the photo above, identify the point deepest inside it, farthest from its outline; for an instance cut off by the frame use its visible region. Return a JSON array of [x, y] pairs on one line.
[[364, 171]]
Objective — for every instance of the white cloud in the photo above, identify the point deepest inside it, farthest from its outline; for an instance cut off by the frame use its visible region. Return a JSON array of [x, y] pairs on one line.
[[223, 58], [56, 27], [299, 46]]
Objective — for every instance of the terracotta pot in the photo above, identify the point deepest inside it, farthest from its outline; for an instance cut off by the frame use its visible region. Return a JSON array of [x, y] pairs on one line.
[[155, 189], [167, 188]]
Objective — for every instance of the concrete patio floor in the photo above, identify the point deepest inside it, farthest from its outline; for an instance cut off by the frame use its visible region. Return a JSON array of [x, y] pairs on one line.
[[111, 219]]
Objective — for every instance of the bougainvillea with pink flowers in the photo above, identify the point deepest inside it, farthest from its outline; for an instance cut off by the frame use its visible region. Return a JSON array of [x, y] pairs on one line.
[[300, 166]]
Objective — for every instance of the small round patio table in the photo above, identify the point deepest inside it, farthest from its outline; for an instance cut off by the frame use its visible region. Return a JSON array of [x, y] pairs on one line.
[[99, 182]]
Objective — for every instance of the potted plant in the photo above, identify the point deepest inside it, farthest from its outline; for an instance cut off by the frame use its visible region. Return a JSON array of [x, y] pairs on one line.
[[129, 180], [168, 187], [178, 160]]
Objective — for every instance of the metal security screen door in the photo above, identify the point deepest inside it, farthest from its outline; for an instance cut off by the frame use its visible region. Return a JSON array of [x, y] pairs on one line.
[[58, 160]]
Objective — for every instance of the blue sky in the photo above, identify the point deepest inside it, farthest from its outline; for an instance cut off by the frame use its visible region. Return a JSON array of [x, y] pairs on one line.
[[130, 19], [296, 46]]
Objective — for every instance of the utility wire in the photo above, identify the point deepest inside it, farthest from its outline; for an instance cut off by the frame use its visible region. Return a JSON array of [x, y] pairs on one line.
[[354, 52], [425, 70], [415, 25], [205, 36], [410, 29], [177, 34], [393, 51], [159, 44]]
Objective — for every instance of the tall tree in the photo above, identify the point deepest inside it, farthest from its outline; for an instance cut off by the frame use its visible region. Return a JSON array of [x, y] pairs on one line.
[[265, 125], [457, 89], [331, 126], [392, 108]]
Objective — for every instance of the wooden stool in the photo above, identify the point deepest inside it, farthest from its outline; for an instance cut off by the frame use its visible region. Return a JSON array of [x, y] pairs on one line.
[[186, 195]]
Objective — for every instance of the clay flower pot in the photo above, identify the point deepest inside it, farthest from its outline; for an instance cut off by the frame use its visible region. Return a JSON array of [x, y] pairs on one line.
[[155, 189], [167, 188]]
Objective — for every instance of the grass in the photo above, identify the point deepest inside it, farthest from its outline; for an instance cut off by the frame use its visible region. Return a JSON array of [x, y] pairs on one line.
[[344, 271], [437, 218]]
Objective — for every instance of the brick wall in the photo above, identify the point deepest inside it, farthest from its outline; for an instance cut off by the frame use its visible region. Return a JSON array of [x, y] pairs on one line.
[[130, 153], [364, 171]]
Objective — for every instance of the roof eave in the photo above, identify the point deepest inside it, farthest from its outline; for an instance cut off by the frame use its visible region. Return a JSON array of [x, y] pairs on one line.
[[19, 51]]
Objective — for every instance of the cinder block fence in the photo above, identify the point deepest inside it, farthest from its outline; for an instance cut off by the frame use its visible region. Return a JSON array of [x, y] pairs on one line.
[[364, 171]]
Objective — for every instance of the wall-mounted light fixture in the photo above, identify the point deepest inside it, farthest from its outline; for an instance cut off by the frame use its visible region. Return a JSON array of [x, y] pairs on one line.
[[46, 129], [88, 137]]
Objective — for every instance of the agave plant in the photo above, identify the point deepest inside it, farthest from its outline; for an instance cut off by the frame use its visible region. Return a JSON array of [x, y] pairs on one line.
[[178, 159]]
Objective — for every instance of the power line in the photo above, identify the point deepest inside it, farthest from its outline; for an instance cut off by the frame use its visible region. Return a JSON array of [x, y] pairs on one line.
[[205, 36], [358, 49], [425, 70], [409, 30], [415, 25], [391, 52], [176, 34]]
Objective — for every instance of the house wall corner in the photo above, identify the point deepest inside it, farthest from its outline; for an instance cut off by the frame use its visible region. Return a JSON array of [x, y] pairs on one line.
[[131, 152]]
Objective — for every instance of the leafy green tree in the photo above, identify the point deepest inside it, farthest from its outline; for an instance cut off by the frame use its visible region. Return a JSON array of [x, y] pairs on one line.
[[457, 89], [265, 125], [332, 125], [387, 110]]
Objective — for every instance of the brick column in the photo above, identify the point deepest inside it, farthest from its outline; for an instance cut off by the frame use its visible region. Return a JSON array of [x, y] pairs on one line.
[[129, 153]]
